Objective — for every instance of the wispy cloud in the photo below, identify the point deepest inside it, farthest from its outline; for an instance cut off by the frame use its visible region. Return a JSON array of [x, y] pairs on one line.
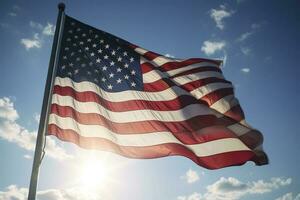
[[191, 176], [14, 11], [247, 34], [39, 36], [234, 189], [218, 15], [245, 70], [49, 29], [75, 193], [210, 47], [245, 50], [34, 42], [12, 132], [289, 196], [169, 55]]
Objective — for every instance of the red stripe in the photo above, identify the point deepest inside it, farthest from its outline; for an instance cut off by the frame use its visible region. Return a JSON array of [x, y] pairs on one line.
[[88, 96], [213, 97], [235, 113], [196, 70], [155, 151], [149, 55], [195, 130]]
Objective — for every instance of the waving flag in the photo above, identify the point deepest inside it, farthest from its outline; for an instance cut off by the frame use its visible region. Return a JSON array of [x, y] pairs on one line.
[[114, 96]]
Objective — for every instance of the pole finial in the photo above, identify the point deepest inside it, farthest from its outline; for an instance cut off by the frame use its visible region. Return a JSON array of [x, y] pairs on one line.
[[61, 6]]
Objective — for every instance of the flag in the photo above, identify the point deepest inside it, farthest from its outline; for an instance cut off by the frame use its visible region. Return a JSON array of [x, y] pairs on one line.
[[114, 96]]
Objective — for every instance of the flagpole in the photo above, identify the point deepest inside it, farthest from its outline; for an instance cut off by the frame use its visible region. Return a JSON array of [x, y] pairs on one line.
[[40, 141]]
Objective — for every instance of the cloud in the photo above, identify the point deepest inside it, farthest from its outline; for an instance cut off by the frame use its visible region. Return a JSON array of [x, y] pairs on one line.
[[37, 117], [39, 36], [35, 42], [190, 176], [29, 157], [289, 196], [210, 47], [245, 50], [245, 70], [49, 29], [12, 14], [12, 132], [246, 35], [169, 55], [219, 14], [234, 189], [75, 193]]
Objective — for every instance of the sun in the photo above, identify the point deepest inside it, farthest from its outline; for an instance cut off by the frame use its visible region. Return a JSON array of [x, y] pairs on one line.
[[93, 173]]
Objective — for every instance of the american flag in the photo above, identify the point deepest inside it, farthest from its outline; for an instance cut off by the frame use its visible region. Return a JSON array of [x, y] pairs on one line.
[[114, 96]]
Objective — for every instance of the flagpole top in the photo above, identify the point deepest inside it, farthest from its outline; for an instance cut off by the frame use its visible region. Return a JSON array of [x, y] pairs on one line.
[[61, 6]]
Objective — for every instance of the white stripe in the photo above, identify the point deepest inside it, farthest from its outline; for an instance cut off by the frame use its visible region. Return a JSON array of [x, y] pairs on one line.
[[225, 104], [141, 51], [238, 129], [165, 95], [134, 115], [149, 139], [190, 67], [159, 61], [181, 80], [153, 75], [206, 89]]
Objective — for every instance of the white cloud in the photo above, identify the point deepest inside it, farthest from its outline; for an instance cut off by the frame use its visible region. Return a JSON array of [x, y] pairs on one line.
[[29, 157], [35, 25], [11, 131], [75, 193], [210, 47], [244, 36], [245, 70], [49, 29], [191, 176], [12, 14], [234, 189], [289, 196], [36, 117], [245, 50], [219, 14], [169, 55], [35, 42]]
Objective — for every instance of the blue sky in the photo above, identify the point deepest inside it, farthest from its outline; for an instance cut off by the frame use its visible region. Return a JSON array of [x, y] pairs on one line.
[[258, 41]]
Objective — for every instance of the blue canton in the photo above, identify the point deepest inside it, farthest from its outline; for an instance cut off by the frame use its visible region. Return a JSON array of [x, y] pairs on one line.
[[88, 54]]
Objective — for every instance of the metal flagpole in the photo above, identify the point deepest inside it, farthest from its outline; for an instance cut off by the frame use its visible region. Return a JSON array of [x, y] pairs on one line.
[[40, 141]]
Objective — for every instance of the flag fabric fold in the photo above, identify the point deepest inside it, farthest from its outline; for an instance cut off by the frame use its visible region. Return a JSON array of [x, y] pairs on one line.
[[114, 96]]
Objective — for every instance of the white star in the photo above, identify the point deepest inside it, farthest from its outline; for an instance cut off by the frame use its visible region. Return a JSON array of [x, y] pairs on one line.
[[67, 49], [70, 31], [111, 75], [99, 50], [126, 65], [81, 43], [125, 53], [83, 34], [119, 59], [72, 54], [76, 71], [65, 57], [89, 73], [112, 63], [69, 73], [119, 80], [90, 63], [94, 45], [92, 54], [131, 59], [101, 41], [63, 67], [133, 72], [104, 68], [87, 48], [96, 71], [113, 52], [96, 36], [126, 76], [119, 69], [83, 65], [106, 57], [73, 23], [110, 86], [68, 39], [89, 40], [96, 80], [133, 84], [103, 79], [98, 60], [76, 37], [71, 64], [106, 46], [78, 59], [78, 29]]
